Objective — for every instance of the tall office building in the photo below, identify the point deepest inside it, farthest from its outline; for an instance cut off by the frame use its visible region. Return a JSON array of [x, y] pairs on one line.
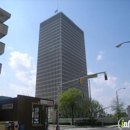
[[61, 57]]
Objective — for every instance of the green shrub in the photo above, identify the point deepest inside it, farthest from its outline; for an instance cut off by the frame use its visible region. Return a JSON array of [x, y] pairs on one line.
[[110, 123], [61, 123], [98, 123], [50, 122], [64, 123], [81, 122]]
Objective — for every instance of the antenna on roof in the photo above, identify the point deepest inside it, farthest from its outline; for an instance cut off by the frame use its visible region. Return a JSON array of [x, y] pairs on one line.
[[56, 11]]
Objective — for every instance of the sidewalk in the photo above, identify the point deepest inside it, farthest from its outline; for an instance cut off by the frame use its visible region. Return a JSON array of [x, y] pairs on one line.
[[72, 127]]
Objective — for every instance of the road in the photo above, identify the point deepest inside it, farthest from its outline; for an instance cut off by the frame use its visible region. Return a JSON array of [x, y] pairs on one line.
[[52, 127], [115, 128]]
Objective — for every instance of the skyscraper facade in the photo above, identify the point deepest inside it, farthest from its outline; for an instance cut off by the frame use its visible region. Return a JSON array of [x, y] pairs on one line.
[[61, 57]]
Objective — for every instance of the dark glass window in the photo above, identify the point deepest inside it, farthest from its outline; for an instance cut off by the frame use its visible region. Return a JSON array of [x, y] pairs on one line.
[[36, 114]]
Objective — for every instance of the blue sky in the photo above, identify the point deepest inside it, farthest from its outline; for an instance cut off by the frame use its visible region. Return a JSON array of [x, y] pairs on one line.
[[105, 24]]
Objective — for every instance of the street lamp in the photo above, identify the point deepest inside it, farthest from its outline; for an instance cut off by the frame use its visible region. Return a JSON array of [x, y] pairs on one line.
[[118, 45], [118, 102]]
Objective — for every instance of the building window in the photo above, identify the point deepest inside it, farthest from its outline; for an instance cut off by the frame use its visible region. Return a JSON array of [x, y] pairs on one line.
[[36, 114]]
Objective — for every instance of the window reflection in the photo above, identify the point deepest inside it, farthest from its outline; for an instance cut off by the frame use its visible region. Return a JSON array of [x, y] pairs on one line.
[[36, 112]]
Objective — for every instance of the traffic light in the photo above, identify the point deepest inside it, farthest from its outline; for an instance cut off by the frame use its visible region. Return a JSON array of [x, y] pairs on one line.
[[105, 76], [81, 81]]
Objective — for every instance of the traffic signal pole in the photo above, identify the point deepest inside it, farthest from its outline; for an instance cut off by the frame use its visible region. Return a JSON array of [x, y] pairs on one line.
[[80, 78]]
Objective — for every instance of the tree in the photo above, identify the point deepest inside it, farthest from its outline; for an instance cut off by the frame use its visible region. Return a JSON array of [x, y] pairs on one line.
[[117, 107], [70, 100], [94, 107]]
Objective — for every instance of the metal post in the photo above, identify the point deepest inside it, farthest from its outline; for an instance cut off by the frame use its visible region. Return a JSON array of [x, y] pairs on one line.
[[57, 112]]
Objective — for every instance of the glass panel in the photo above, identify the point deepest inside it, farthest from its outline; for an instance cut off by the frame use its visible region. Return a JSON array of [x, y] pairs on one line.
[[36, 114]]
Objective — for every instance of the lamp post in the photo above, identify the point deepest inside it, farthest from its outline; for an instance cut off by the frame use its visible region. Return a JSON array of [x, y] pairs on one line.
[[118, 102], [118, 45]]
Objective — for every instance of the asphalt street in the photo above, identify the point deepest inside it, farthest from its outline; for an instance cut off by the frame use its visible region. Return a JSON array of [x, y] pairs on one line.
[[53, 127]]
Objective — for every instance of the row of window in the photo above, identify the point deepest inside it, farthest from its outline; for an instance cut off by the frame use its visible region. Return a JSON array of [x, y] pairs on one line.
[[70, 31], [47, 72], [73, 63], [56, 48], [73, 60], [50, 64], [67, 25], [50, 32], [47, 85], [71, 24], [44, 45], [73, 41], [56, 22], [49, 37], [45, 93], [77, 67], [70, 47], [49, 58], [50, 81], [42, 77], [48, 69]]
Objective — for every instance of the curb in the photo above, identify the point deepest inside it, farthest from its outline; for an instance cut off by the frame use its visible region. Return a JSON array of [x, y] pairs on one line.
[[111, 126]]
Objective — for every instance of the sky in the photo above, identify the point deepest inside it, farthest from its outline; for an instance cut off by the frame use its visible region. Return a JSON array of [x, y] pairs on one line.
[[105, 23]]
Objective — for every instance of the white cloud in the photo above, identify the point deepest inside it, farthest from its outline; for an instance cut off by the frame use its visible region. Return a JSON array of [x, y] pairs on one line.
[[97, 94], [89, 72], [10, 48], [126, 84], [25, 71], [2, 93], [96, 91], [100, 56], [22, 90], [111, 82], [3, 73], [106, 102], [20, 61]]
